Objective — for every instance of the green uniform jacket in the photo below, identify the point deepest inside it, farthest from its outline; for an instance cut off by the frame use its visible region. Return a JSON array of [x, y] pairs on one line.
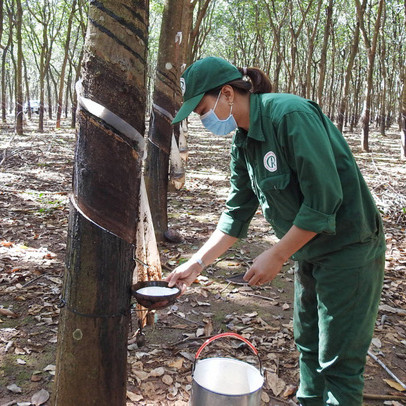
[[297, 165]]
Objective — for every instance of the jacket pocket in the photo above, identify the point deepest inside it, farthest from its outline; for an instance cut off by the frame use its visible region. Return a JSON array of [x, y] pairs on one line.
[[277, 182], [281, 193]]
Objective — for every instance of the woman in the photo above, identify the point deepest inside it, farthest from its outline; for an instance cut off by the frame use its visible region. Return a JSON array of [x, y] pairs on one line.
[[290, 158]]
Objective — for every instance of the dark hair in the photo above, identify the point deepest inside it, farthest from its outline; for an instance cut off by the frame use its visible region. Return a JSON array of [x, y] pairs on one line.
[[254, 80]]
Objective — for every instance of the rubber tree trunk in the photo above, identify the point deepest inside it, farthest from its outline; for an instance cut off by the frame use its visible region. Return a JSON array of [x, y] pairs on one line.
[[91, 367], [371, 49], [19, 72], [323, 58], [165, 101], [403, 119], [63, 67], [348, 74], [403, 108]]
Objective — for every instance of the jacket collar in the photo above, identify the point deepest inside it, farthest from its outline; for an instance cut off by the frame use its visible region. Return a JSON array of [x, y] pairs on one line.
[[255, 131]]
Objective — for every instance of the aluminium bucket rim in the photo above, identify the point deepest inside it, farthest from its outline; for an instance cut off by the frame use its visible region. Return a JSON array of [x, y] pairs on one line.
[[256, 375]]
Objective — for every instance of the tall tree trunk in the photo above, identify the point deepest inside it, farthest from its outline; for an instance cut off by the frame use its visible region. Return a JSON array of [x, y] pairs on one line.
[[383, 93], [27, 88], [93, 328], [1, 19], [63, 67], [4, 71], [49, 94], [42, 73], [194, 31], [403, 119], [403, 107], [323, 59], [19, 71], [348, 74], [276, 28], [75, 96], [165, 96], [3, 85], [310, 54], [67, 92], [186, 28], [294, 38], [371, 49]]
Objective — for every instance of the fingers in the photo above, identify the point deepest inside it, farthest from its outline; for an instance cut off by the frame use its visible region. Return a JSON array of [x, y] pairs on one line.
[[172, 279], [252, 278], [183, 276], [248, 275]]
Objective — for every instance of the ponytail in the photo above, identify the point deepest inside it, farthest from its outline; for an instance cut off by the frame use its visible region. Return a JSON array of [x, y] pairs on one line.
[[259, 80], [254, 80]]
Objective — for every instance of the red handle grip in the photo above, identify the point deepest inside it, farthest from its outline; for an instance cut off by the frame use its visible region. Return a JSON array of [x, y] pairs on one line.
[[234, 335]]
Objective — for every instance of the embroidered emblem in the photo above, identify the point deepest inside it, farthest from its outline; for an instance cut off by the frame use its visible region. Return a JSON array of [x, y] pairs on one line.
[[182, 86], [270, 162]]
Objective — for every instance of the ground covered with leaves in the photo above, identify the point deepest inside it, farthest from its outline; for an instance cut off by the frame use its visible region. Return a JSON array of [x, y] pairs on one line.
[[35, 179]]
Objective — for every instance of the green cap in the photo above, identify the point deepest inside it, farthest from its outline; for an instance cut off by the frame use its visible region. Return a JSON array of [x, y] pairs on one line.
[[204, 75]]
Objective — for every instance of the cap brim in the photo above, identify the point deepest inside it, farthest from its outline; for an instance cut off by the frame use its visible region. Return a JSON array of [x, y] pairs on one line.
[[187, 107]]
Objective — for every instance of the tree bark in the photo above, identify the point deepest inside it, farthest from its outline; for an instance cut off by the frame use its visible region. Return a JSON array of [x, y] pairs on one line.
[[383, 93], [83, 29], [63, 67], [45, 16], [323, 59], [165, 104], [1, 19], [195, 30], [371, 49], [276, 28], [348, 74], [403, 107], [311, 35], [94, 320], [403, 120], [49, 78], [19, 71], [294, 38], [27, 88], [3, 67]]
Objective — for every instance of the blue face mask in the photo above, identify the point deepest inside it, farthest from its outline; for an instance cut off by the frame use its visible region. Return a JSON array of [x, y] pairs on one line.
[[217, 126]]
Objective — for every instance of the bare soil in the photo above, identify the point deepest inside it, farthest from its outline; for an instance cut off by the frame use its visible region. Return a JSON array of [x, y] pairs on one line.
[[35, 180]]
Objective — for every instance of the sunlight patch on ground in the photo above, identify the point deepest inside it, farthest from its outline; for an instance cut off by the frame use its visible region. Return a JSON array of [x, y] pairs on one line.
[[204, 175], [8, 179], [48, 176], [21, 253]]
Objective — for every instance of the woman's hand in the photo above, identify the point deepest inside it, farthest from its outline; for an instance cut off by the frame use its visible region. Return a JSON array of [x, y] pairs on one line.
[[184, 275], [267, 265], [264, 268]]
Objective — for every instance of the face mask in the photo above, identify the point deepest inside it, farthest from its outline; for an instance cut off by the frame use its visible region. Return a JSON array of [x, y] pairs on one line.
[[217, 126]]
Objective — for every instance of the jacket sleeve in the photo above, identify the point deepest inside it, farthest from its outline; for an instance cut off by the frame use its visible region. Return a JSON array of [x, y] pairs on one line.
[[242, 202], [307, 143]]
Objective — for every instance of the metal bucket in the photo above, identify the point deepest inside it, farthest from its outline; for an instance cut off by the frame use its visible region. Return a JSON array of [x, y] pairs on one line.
[[226, 381]]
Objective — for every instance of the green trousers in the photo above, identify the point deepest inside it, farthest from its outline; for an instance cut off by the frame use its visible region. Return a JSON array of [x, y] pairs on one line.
[[334, 317]]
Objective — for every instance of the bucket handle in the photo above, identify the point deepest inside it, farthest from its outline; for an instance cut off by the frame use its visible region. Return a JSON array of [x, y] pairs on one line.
[[228, 334]]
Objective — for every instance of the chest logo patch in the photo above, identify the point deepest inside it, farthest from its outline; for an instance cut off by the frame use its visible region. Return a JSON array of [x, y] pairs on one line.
[[270, 161]]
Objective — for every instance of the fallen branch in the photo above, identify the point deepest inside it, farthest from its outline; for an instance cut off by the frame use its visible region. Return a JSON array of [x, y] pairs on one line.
[[374, 357], [258, 296], [188, 320], [33, 280], [190, 339], [390, 309], [222, 290], [370, 396]]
